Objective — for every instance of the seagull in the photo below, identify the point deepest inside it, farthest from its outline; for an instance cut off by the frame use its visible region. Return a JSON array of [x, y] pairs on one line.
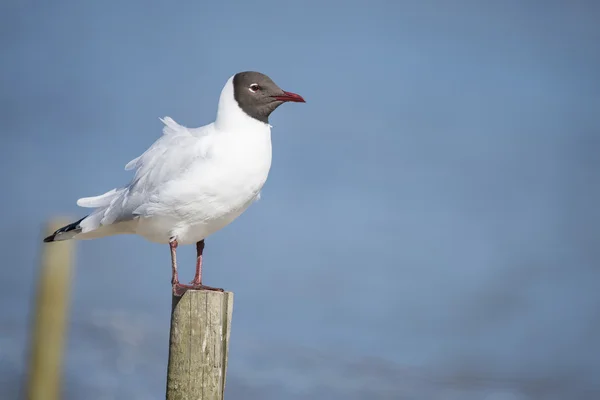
[[191, 182]]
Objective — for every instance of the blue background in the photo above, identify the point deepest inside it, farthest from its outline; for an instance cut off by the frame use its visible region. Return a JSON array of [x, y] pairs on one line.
[[429, 229]]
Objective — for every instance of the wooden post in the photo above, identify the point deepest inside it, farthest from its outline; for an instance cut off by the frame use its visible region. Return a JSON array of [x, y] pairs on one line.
[[199, 345], [50, 319]]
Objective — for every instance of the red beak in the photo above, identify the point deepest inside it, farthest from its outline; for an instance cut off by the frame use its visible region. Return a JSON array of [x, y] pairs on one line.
[[289, 96]]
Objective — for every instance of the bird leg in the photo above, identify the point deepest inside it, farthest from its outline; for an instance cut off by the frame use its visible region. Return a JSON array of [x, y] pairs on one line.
[[198, 277], [178, 288], [173, 245], [197, 282]]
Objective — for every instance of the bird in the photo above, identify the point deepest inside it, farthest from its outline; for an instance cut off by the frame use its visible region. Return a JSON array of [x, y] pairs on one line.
[[192, 182]]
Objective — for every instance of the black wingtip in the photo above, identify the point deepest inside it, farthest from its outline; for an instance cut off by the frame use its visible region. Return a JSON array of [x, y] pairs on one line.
[[64, 229], [49, 239]]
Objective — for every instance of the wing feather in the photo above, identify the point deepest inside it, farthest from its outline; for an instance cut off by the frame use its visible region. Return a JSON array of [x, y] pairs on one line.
[[166, 159]]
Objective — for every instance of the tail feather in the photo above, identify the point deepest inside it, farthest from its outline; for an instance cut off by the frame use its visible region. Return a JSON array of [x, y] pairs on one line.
[[107, 219], [66, 232]]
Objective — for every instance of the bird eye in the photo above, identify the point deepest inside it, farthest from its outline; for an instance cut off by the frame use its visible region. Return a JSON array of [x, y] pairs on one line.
[[254, 88]]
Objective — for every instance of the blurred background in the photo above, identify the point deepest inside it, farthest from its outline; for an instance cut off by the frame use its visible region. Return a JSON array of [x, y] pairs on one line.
[[429, 229]]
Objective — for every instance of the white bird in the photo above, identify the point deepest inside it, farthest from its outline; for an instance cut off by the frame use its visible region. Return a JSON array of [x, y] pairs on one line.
[[192, 181]]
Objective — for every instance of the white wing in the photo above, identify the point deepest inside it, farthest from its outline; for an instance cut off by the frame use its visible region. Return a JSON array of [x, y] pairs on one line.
[[167, 159]]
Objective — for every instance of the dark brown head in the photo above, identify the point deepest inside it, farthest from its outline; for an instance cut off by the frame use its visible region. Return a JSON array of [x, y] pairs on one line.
[[258, 96]]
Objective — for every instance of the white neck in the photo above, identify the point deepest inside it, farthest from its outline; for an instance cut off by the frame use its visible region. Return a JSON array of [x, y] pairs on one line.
[[230, 117]]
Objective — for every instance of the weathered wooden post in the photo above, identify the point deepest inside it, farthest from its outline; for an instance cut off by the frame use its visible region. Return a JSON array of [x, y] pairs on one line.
[[50, 319], [199, 345]]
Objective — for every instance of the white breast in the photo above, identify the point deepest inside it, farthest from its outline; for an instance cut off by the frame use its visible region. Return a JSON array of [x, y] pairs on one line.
[[240, 168], [238, 171]]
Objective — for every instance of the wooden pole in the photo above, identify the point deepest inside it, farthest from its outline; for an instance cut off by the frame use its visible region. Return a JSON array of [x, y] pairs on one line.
[[199, 345], [50, 319]]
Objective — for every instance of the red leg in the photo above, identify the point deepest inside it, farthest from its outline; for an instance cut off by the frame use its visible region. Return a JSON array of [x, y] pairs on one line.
[[198, 277], [173, 245], [178, 288]]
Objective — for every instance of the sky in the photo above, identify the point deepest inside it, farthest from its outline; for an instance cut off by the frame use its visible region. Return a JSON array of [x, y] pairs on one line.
[[429, 228]]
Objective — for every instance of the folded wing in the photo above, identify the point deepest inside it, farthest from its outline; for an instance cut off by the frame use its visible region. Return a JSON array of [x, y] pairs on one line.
[[166, 159]]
